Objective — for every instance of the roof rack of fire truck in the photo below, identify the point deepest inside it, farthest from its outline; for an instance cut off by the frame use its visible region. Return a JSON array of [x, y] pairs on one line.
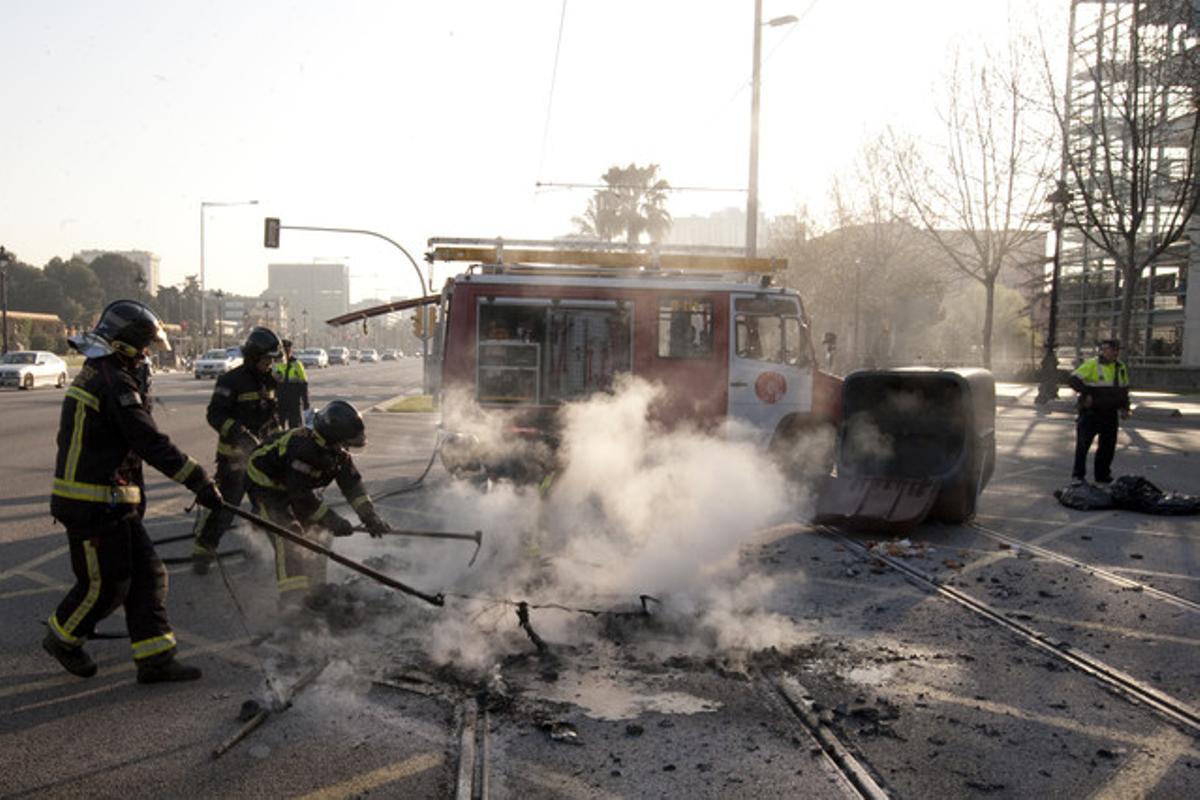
[[588, 257]]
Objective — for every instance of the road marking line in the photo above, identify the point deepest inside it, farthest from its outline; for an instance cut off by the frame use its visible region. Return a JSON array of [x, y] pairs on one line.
[[34, 562], [115, 669], [361, 784], [68, 698], [1013, 712], [1141, 774], [562, 785]]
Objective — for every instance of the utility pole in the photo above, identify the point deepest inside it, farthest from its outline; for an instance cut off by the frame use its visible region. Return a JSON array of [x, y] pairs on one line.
[[752, 184], [5, 258]]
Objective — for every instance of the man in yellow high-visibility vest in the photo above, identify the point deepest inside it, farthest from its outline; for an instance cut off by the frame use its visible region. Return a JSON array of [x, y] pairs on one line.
[[1103, 386], [293, 388]]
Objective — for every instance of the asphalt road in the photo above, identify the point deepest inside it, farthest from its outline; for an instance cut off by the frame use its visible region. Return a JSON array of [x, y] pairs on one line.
[[930, 698]]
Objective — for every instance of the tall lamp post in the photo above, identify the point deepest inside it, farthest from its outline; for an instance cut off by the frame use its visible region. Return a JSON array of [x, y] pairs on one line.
[[1059, 200], [304, 314], [755, 82], [5, 258], [206, 204]]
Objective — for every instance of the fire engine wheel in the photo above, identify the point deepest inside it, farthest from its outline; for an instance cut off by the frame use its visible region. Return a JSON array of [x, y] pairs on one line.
[[804, 448]]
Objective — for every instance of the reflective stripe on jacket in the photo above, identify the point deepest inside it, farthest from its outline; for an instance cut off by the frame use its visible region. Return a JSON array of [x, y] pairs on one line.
[[105, 432]]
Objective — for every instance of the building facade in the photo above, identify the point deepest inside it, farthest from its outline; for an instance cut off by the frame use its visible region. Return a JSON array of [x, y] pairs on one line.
[[1139, 163], [312, 293]]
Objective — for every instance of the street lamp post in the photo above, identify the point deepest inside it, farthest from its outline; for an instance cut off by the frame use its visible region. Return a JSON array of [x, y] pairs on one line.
[[755, 82], [5, 258], [203, 288], [1048, 386], [304, 314]]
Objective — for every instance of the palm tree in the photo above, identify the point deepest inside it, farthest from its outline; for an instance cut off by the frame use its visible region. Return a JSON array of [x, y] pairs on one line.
[[632, 203]]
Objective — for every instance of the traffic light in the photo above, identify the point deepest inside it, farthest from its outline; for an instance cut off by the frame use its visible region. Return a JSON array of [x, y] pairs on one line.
[[423, 321], [271, 232]]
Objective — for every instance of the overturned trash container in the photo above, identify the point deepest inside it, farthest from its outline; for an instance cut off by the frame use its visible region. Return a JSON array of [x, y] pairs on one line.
[[914, 444]]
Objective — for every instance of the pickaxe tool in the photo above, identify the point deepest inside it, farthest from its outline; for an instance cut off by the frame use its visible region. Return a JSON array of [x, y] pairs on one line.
[[476, 537], [433, 599]]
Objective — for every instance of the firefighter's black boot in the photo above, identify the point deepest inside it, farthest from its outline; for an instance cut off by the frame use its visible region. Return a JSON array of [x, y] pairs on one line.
[[73, 659], [165, 669]]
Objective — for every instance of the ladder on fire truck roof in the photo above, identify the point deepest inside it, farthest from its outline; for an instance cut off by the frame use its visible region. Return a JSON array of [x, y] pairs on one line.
[[577, 256]]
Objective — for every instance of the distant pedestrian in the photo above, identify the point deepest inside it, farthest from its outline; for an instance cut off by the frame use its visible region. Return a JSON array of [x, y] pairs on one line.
[[293, 388], [1103, 386]]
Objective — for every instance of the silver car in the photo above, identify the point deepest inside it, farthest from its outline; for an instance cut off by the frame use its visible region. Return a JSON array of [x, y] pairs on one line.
[[215, 363], [29, 368]]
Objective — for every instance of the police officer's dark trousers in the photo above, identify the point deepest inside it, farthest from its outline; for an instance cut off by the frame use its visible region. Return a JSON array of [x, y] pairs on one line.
[[1093, 424], [115, 565]]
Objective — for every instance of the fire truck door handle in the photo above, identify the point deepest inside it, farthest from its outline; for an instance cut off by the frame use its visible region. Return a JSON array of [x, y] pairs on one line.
[[739, 383]]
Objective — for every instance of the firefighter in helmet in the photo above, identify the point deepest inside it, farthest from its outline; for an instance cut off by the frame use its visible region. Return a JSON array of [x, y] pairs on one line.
[[243, 411], [105, 433], [285, 474]]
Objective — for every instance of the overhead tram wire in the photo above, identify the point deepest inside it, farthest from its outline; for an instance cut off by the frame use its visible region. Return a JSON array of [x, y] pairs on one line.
[[570, 185], [553, 80]]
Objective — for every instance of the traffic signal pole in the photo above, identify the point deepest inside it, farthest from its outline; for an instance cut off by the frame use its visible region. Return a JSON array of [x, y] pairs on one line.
[[272, 228]]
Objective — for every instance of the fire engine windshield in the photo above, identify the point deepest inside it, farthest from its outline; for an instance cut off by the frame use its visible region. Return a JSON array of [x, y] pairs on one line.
[[534, 352], [771, 330]]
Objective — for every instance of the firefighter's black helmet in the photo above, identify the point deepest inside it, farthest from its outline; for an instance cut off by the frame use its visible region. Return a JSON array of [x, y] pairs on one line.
[[340, 423], [261, 342], [127, 327]]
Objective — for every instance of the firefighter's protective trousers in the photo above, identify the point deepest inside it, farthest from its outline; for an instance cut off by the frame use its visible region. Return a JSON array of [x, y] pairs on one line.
[[115, 565], [297, 570]]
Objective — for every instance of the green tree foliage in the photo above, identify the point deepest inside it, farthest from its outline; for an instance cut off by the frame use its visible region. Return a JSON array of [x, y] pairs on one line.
[[82, 295], [631, 204], [120, 278]]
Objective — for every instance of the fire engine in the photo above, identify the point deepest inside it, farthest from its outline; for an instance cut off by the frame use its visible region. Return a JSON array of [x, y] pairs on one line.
[[531, 325]]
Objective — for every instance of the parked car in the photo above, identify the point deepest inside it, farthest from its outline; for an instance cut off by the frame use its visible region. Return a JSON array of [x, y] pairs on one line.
[[216, 363], [313, 357], [339, 355], [392, 355], [371, 356], [29, 368]]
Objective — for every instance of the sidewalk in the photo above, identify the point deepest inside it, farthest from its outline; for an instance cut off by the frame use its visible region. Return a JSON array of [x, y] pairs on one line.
[[1146, 405]]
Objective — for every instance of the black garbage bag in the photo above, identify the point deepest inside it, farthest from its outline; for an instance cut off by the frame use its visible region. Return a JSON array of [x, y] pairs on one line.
[[1084, 497], [1135, 493]]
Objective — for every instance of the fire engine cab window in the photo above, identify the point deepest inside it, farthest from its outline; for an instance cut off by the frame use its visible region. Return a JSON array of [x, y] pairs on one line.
[[685, 328], [770, 331]]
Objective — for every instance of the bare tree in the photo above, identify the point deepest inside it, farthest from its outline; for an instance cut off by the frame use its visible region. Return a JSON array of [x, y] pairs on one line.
[[1132, 135], [978, 204]]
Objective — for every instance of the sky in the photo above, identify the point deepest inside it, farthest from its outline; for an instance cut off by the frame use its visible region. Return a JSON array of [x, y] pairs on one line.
[[417, 120]]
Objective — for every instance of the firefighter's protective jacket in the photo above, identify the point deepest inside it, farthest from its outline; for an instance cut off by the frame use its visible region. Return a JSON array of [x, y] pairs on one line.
[[243, 405], [1106, 384], [104, 433], [299, 462]]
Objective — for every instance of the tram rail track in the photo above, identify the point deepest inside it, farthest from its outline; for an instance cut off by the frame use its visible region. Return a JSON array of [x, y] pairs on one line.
[[1179, 713]]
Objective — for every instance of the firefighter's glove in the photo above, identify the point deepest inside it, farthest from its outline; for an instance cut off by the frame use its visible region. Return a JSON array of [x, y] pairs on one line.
[[210, 497], [339, 525], [376, 525]]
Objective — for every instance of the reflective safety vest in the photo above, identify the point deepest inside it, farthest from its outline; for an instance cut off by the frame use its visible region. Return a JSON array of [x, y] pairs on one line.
[[1093, 373], [290, 371]]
